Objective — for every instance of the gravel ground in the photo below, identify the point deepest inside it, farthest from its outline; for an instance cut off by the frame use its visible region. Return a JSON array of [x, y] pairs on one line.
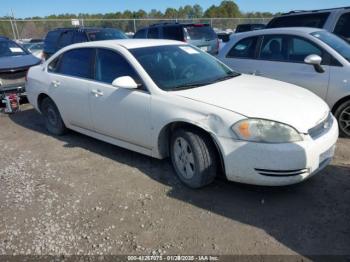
[[77, 195]]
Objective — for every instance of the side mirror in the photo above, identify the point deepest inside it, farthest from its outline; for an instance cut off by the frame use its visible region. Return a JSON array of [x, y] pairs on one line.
[[316, 61], [125, 82]]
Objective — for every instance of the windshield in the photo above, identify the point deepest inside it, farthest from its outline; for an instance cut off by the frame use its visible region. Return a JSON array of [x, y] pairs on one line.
[[106, 34], [178, 67], [337, 43], [10, 48], [199, 32]]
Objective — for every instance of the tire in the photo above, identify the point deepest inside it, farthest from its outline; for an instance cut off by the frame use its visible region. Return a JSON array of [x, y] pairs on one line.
[[53, 121], [193, 157], [342, 114]]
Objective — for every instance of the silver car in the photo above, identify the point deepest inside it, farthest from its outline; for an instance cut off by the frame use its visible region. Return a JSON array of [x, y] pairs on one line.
[[311, 58]]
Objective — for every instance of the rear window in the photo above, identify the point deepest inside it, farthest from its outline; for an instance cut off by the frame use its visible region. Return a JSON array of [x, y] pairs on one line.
[[141, 34], [199, 32], [10, 48], [243, 28], [173, 33], [105, 34], [343, 27], [307, 20], [51, 41]]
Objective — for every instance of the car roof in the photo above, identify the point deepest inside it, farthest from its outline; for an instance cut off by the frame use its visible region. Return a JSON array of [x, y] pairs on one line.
[[81, 28], [282, 30], [4, 38], [129, 43], [297, 12]]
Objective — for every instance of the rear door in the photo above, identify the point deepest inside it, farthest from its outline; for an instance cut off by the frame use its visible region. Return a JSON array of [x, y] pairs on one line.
[[120, 113], [70, 78], [282, 57]]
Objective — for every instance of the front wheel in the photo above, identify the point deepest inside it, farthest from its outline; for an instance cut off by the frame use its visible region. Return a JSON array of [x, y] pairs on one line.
[[193, 157], [342, 114]]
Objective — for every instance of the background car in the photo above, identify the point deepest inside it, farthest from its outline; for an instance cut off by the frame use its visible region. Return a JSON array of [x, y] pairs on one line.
[[200, 35], [168, 99], [249, 27], [335, 20], [14, 64], [61, 37], [312, 58], [35, 48]]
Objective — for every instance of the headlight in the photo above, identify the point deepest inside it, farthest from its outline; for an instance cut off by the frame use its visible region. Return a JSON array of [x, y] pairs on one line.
[[265, 131]]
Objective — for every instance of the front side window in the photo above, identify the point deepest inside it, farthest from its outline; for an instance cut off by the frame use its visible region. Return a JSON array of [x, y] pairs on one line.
[[343, 27], [299, 49], [176, 67], [244, 48], [111, 65], [273, 48], [77, 63]]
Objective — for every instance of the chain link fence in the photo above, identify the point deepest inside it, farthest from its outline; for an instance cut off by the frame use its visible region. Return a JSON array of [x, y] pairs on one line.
[[38, 28]]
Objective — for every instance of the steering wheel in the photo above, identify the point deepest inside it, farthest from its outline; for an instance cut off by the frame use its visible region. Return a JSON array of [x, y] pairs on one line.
[[189, 69]]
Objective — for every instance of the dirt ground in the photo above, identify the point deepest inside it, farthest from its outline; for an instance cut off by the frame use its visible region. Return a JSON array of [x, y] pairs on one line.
[[77, 195]]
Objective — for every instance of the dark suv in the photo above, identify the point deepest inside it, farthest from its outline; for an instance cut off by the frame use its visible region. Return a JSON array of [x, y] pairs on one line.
[[200, 35], [61, 37], [249, 27], [335, 20]]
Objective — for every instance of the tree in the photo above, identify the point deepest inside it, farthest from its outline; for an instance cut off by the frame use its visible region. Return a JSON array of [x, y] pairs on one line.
[[171, 13]]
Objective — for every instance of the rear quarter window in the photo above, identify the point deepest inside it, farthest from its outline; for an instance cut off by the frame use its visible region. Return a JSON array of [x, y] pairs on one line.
[[141, 34], [244, 49], [200, 32], [316, 20], [342, 28], [173, 33]]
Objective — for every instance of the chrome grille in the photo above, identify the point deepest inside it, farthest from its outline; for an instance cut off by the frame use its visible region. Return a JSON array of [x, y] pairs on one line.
[[12, 78], [322, 127]]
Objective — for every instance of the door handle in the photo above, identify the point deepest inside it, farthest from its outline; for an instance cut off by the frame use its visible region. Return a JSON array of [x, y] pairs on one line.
[[55, 83], [97, 93]]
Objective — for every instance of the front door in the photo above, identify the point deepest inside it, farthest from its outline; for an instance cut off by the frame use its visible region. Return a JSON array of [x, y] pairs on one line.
[[120, 113], [282, 58]]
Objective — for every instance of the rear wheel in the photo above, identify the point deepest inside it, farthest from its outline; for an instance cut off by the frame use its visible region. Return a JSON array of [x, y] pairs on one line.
[[193, 158], [342, 115], [53, 120]]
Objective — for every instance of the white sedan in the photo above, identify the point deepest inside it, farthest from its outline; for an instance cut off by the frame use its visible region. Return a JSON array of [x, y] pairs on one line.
[[165, 98]]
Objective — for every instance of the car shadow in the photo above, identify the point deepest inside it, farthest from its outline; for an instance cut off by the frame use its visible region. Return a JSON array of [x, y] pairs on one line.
[[311, 218]]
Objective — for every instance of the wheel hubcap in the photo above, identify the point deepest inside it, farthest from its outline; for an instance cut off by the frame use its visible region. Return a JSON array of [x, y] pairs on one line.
[[344, 120], [184, 158]]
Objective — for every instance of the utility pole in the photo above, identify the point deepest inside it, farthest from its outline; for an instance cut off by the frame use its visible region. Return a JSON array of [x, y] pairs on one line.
[[15, 25]]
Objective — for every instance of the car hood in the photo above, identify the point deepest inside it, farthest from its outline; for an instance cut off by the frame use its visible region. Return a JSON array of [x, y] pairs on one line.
[[15, 62], [259, 97]]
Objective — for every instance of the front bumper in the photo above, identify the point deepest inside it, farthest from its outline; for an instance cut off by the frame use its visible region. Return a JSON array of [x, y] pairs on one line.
[[277, 164]]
